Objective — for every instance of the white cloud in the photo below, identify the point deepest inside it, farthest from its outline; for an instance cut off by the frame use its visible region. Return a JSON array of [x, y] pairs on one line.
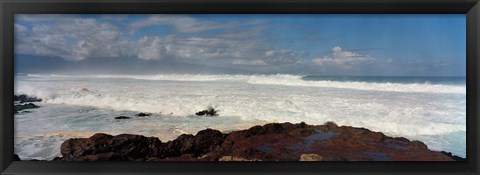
[[78, 38], [150, 48], [337, 49], [284, 56], [73, 37], [182, 23], [341, 57], [69, 37], [256, 62], [249, 33], [20, 28], [193, 48], [322, 61], [202, 47], [272, 53]]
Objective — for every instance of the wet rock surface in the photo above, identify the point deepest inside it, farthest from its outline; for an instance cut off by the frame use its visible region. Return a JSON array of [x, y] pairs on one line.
[[454, 157], [106, 147], [142, 114], [208, 112], [270, 142], [25, 98], [21, 107], [16, 158], [122, 117]]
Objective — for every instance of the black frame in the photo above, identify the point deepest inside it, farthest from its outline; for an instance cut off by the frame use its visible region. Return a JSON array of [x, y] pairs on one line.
[[10, 7]]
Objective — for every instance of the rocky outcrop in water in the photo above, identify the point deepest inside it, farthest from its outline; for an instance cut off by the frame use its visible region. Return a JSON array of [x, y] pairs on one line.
[[271, 142], [21, 107], [209, 112], [141, 114], [25, 98], [16, 158], [122, 117]]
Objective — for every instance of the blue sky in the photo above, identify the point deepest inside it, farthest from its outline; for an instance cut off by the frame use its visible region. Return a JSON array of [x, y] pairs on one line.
[[431, 45]]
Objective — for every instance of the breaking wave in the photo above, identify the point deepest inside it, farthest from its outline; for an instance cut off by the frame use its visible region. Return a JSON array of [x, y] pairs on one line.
[[285, 80]]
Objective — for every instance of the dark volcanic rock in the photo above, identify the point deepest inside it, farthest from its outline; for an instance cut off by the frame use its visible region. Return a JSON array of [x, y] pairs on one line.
[[21, 107], [106, 147], [140, 148], [25, 98], [271, 142], [205, 141], [142, 114], [16, 158], [122, 117], [202, 143], [454, 157], [209, 112]]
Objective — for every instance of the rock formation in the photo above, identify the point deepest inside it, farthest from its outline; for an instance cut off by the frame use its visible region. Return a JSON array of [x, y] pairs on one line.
[[209, 112], [25, 98], [271, 142], [122, 117], [142, 114], [21, 107]]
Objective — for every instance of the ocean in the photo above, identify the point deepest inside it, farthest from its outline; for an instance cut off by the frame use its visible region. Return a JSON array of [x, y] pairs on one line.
[[428, 109]]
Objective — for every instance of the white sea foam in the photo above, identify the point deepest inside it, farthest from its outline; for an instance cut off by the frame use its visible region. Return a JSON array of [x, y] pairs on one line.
[[430, 113], [283, 79]]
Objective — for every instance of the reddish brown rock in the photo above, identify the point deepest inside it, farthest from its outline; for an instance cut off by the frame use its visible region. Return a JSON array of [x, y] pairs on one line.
[[205, 141], [106, 147], [271, 142]]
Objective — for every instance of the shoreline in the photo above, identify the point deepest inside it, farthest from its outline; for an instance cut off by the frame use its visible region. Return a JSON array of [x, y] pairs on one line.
[[270, 142]]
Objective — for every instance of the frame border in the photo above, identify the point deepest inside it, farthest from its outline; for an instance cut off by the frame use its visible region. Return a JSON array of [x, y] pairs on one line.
[[8, 8]]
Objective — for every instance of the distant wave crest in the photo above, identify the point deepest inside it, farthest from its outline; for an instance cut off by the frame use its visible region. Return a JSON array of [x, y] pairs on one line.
[[285, 80]]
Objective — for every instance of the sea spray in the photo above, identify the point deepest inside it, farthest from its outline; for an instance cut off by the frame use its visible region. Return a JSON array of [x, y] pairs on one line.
[[428, 112]]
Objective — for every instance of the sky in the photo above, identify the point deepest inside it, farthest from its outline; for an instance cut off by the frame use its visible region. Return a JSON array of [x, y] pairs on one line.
[[401, 45]]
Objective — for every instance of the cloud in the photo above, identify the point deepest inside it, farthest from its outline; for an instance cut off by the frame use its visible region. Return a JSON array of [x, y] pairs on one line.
[[150, 48], [256, 62], [340, 57], [20, 28], [76, 38], [182, 23], [248, 33], [79, 38], [206, 48], [69, 37], [284, 56], [197, 49]]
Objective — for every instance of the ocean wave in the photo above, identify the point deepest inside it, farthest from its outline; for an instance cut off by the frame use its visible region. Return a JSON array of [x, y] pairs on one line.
[[243, 100], [284, 80], [273, 104]]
